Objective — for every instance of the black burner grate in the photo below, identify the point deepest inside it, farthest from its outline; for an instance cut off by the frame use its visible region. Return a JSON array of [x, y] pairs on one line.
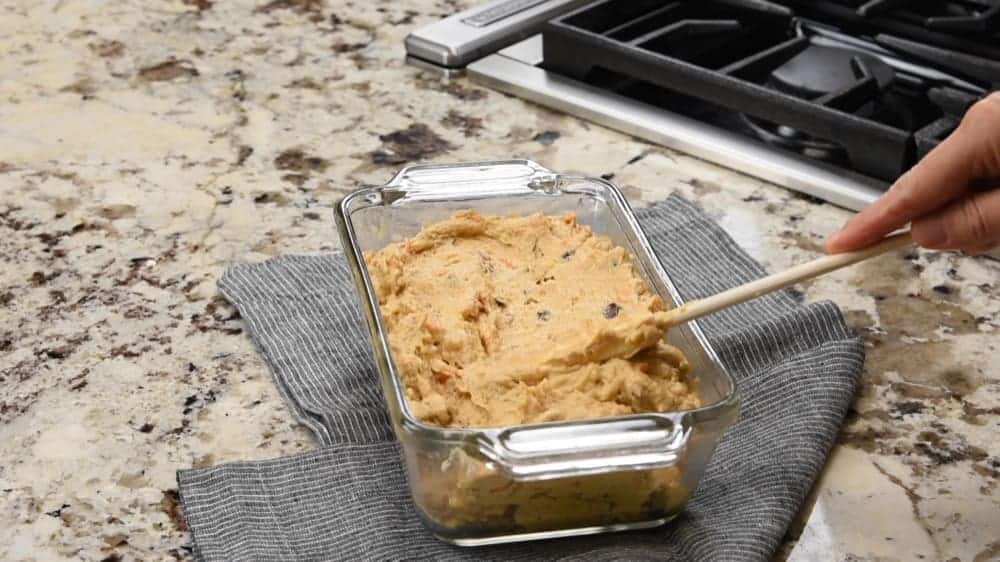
[[968, 26], [792, 82]]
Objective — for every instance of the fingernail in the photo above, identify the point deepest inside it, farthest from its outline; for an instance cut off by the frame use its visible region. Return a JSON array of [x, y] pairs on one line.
[[929, 233]]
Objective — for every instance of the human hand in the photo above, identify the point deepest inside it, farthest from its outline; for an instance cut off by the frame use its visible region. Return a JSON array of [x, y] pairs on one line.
[[951, 197]]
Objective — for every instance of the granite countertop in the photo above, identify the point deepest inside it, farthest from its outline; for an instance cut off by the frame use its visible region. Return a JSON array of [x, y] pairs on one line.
[[145, 145]]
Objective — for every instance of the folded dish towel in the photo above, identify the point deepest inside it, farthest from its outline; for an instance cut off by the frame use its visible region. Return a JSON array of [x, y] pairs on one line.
[[348, 500]]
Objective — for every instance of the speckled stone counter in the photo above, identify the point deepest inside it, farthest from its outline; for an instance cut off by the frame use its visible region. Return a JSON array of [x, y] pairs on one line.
[[145, 145]]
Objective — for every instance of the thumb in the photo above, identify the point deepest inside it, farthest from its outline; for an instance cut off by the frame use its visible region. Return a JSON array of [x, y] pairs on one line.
[[971, 223]]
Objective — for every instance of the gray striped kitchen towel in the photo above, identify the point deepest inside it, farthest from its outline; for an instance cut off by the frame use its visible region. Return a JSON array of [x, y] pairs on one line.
[[348, 500]]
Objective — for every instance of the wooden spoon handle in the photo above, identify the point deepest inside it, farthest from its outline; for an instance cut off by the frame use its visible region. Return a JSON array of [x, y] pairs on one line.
[[792, 275]]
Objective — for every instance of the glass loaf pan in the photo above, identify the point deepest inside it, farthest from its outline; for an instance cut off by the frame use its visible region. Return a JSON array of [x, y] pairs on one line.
[[488, 485]]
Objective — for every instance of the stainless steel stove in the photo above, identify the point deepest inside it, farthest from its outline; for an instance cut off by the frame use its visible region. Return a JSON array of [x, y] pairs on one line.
[[833, 98]]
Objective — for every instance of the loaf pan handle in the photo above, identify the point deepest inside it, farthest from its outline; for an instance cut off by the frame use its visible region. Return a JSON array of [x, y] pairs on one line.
[[446, 180], [580, 448]]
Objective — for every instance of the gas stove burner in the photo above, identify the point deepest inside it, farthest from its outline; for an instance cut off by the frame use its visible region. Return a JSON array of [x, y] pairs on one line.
[[821, 71], [794, 140], [842, 78], [833, 97]]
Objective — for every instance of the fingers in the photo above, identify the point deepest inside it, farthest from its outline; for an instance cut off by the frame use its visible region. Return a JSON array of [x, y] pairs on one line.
[[971, 152], [971, 224], [982, 125]]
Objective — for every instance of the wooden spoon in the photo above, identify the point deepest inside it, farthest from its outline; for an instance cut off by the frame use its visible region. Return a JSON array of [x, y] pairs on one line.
[[754, 289]]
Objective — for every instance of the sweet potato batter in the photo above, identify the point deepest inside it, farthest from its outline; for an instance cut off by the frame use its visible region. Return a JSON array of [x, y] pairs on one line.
[[497, 321], [463, 491]]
